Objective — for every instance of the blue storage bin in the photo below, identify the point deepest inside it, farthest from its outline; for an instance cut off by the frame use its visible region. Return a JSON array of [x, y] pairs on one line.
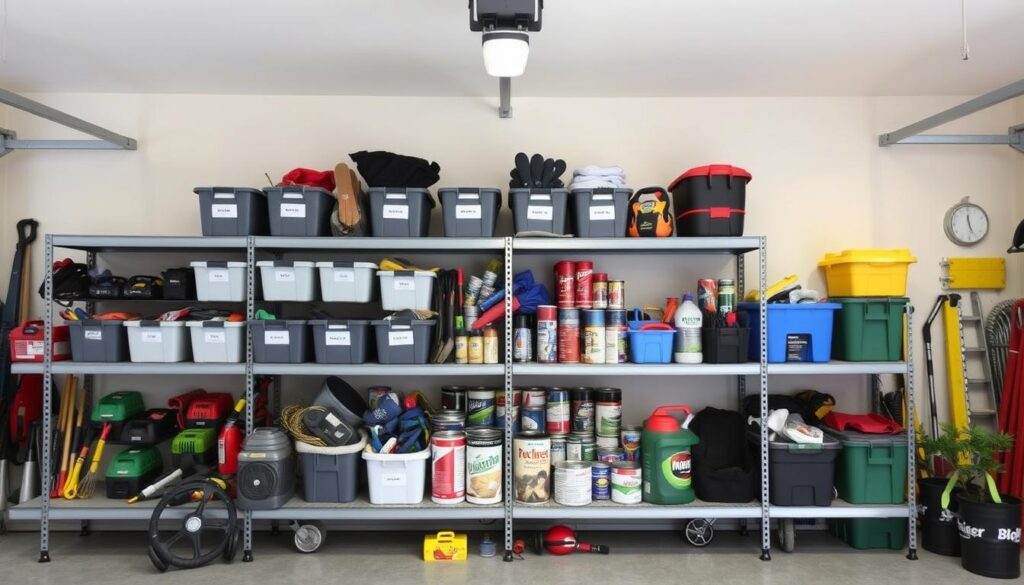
[[807, 327], [651, 347]]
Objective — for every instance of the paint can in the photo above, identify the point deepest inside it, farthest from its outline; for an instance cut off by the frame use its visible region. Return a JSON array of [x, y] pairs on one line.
[[534, 397], [707, 294], [558, 411], [547, 334], [629, 435], [469, 315], [600, 290], [453, 398], [589, 449], [522, 339], [573, 483], [448, 476], [565, 284], [726, 296], [606, 442], [448, 420], [600, 473], [593, 336], [581, 410], [480, 407], [532, 468], [569, 336], [532, 419], [558, 447], [500, 408], [610, 455], [627, 479], [483, 465], [584, 270], [607, 411], [615, 337], [616, 294]]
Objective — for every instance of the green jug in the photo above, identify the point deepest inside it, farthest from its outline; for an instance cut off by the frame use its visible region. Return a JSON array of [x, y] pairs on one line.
[[665, 447]]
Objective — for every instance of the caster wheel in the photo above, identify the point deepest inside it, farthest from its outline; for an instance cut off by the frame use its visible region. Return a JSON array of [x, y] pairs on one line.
[[787, 535], [699, 532], [309, 537]]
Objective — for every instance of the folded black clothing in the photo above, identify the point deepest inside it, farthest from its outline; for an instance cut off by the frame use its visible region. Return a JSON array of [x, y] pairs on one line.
[[381, 168]]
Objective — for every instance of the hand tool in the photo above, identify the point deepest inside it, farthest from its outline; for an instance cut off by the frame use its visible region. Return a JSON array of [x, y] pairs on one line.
[[158, 485], [88, 485], [60, 435], [72, 434], [75, 477], [562, 540]]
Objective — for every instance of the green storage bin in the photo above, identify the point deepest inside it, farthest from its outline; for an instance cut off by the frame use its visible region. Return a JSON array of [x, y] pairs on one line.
[[866, 533], [868, 329], [872, 469]]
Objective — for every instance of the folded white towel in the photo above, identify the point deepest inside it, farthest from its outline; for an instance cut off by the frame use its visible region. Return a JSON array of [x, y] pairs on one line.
[[597, 183], [596, 171]]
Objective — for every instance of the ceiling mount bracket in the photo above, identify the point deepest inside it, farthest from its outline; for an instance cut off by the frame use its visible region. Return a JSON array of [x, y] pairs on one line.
[[912, 134], [107, 140], [505, 97]]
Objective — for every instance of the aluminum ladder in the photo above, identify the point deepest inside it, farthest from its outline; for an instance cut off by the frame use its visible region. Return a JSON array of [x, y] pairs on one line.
[[978, 389]]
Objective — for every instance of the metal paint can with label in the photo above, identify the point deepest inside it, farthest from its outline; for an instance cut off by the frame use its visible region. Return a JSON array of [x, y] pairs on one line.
[[610, 455], [565, 284], [593, 336], [547, 334], [627, 479], [558, 411], [569, 336], [601, 480], [532, 419], [589, 450], [448, 476], [484, 465], [573, 483], [608, 411], [449, 420], [500, 409], [600, 289], [558, 447], [534, 397], [581, 410], [480, 407], [584, 272], [616, 337], [522, 339], [616, 294], [606, 442], [531, 468], [453, 398], [573, 448], [629, 435]]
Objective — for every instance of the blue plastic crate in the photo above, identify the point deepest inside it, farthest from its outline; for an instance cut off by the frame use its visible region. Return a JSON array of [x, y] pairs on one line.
[[809, 323], [651, 347]]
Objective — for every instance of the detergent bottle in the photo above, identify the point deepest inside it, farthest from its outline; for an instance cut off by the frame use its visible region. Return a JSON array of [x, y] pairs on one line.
[[688, 321], [665, 453]]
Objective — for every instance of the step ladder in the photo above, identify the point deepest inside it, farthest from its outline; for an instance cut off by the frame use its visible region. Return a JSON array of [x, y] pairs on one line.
[[972, 392]]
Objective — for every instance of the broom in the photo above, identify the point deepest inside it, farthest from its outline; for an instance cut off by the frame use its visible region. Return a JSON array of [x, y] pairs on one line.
[[88, 485]]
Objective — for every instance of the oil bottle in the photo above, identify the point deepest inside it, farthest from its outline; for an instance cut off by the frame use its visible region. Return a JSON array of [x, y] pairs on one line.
[[665, 453]]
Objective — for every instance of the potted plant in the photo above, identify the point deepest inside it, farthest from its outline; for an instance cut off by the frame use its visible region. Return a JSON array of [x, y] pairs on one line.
[[989, 522], [939, 532]]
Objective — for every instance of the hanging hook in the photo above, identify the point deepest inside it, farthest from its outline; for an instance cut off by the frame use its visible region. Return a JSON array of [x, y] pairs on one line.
[[965, 47]]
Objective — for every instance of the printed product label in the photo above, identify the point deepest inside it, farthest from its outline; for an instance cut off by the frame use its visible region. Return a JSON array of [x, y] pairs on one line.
[[532, 470], [405, 283], [602, 213], [688, 340], [94, 334], [609, 418], [468, 212], [480, 412], [449, 472], [395, 212], [344, 276], [483, 471], [217, 274], [224, 211], [152, 337], [539, 213], [968, 532], [284, 275], [276, 338], [293, 210], [214, 337], [32, 349], [676, 469], [338, 338], [392, 479], [400, 338]]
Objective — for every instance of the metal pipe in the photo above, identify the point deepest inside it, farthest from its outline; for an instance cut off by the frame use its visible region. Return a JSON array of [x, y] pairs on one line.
[[46, 112]]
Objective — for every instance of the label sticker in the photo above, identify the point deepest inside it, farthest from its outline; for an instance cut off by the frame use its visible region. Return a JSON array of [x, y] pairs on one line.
[[394, 196], [284, 275], [399, 338], [601, 197], [275, 338], [224, 210], [94, 334], [405, 283], [338, 338], [214, 337], [602, 213], [395, 212], [152, 336], [537, 212], [217, 274], [468, 212], [393, 478], [34, 348], [344, 276], [293, 210]]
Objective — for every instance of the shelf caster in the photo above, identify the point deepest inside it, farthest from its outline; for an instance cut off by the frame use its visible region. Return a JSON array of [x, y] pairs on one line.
[[508, 556], [86, 530], [275, 528], [308, 537], [247, 556], [766, 555], [44, 556], [912, 554]]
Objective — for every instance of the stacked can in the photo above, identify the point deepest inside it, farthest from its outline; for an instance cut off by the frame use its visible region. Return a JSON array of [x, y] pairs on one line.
[[453, 398], [707, 295], [484, 465], [558, 447], [501, 409], [608, 419], [600, 288], [565, 284], [448, 450], [726, 296], [616, 337], [626, 482], [569, 336], [629, 437], [547, 334], [602, 484], [593, 337], [573, 483], [584, 274], [616, 294], [480, 405], [522, 339], [581, 410], [448, 420], [580, 447], [531, 467], [557, 406]]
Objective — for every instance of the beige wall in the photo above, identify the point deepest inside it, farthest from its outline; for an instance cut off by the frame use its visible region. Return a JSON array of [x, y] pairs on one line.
[[820, 184]]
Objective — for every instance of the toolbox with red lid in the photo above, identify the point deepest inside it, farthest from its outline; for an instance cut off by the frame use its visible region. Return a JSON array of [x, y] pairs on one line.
[[710, 201], [27, 342]]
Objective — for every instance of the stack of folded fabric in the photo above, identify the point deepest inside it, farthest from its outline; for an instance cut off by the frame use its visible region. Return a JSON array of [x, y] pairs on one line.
[[595, 177]]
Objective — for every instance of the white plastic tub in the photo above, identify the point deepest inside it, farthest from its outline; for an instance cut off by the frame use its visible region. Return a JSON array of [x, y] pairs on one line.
[[406, 289], [346, 282], [287, 280], [217, 341], [157, 341], [397, 478], [220, 281]]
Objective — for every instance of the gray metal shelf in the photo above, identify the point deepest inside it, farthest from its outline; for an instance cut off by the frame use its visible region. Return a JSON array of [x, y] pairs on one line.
[[740, 245], [378, 370], [362, 509], [838, 368], [131, 368], [532, 369], [407, 245], [149, 243], [841, 509], [100, 507], [607, 510]]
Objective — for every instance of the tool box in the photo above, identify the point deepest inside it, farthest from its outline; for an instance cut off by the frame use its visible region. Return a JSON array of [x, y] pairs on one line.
[[194, 447], [152, 427], [94, 340], [539, 210], [725, 345], [400, 213], [340, 341], [28, 342], [867, 273], [299, 211], [800, 474], [287, 280], [107, 287], [445, 546], [868, 329], [179, 284], [217, 341], [117, 409], [406, 289], [143, 287], [710, 201], [600, 213], [131, 470], [403, 341], [220, 281], [796, 333], [232, 211], [347, 282], [469, 212], [279, 342], [209, 411], [158, 341]]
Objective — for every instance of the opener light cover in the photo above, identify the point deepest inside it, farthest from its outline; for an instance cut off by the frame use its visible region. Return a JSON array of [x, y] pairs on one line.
[[506, 53]]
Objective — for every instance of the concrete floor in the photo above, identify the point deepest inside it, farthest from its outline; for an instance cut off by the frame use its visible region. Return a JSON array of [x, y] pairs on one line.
[[394, 559]]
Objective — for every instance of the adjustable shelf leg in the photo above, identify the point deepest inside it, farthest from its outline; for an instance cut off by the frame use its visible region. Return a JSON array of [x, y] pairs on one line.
[[86, 530]]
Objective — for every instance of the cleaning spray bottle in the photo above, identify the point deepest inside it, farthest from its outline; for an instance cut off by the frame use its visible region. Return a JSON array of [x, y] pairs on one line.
[[688, 321], [229, 442]]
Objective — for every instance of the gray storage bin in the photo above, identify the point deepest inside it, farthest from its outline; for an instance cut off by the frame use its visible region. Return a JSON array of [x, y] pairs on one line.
[[469, 212], [232, 211], [279, 342], [399, 212], [94, 340], [340, 341], [404, 341], [330, 474], [600, 213], [297, 210], [539, 210]]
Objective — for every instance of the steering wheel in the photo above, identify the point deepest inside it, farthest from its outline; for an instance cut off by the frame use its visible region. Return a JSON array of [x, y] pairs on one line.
[[198, 528]]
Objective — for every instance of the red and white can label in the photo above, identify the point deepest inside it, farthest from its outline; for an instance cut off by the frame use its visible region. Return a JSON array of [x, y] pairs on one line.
[[448, 485]]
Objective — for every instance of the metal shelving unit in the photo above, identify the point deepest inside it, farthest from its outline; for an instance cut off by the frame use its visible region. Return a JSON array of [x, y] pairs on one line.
[[446, 370]]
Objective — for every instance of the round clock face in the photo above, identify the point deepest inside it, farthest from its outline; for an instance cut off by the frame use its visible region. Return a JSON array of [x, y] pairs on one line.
[[966, 224]]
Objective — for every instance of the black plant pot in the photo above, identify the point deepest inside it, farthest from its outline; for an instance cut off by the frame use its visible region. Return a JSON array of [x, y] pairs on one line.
[[938, 527], [990, 537]]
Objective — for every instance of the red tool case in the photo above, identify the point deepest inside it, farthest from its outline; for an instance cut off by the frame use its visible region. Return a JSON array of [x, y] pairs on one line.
[[27, 342]]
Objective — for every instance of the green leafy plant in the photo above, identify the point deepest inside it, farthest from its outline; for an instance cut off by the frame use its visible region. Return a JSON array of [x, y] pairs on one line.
[[973, 455]]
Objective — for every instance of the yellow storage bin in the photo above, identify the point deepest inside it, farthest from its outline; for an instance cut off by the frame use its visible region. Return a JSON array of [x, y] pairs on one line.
[[867, 273], [445, 546]]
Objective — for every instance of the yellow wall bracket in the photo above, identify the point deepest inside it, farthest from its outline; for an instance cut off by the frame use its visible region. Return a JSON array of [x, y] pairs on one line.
[[974, 273]]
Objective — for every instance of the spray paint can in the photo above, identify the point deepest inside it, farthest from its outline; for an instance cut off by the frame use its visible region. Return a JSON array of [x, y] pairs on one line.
[[615, 337], [593, 337], [448, 450], [601, 476], [581, 410], [616, 294], [558, 411], [565, 284], [707, 294], [531, 468], [600, 290], [547, 334], [483, 466], [584, 271], [522, 339], [573, 483], [569, 336]]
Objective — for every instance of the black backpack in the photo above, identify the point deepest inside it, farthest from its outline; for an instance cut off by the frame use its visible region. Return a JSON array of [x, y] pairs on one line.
[[723, 470], [71, 281]]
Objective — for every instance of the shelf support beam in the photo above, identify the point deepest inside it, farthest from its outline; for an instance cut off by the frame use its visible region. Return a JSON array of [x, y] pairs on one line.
[[107, 139], [504, 97]]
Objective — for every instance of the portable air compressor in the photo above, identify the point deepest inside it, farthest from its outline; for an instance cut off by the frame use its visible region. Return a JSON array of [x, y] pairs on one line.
[[131, 470], [266, 470], [194, 447], [209, 411], [650, 214], [143, 287], [117, 409], [154, 426]]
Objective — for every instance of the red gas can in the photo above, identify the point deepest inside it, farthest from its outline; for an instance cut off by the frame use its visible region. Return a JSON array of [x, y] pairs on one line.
[[27, 342]]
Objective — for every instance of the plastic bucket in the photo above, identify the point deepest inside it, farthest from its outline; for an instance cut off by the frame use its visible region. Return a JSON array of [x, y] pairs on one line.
[[938, 527], [990, 537]]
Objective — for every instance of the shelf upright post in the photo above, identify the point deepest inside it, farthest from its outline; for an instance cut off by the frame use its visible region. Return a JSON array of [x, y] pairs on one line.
[[87, 380], [47, 446], [911, 439], [509, 478], [250, 410], [741, 381], [766, 528]]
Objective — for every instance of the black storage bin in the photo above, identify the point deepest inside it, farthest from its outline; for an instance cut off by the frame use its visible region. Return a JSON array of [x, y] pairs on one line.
[[723, 469], [710, 201], [725, 345], [800, 474], [600, 213], [299, 211], [279, 342], [400, 213], [179, 284], [539, 210], [469, 212], [232, 211], [94, 340]]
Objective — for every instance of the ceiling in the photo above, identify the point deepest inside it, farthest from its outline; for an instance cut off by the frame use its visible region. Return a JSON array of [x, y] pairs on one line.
[[587, 47]]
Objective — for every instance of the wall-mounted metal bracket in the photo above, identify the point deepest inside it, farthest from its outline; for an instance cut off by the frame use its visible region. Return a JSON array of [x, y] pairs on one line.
[[911, 134], [107, 140], [505, 97]]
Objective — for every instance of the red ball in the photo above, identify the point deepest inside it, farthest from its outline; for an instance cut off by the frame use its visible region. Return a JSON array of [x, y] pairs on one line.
[[560, 540]]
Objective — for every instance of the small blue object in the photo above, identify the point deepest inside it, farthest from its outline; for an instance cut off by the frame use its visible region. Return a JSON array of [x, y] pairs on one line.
[[653, 346], [487, 547], [810, 324]]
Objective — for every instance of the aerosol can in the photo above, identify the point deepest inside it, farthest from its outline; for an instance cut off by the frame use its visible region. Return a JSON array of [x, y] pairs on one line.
[[665, 446], [229, 443]]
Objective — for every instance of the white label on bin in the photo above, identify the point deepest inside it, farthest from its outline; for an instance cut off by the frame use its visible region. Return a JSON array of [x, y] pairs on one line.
[[217, 274], [603, 197], [395, 212], [405, 283], [214, 337], [338, 338], [538, 212], [152, 336], [602, 213], [275, 338], [540, 197], [344, 276], [293, 210], [394, 196], [224, 210], [94, 334], [468, 212], [392, 478], [399, 337], [284, 275]]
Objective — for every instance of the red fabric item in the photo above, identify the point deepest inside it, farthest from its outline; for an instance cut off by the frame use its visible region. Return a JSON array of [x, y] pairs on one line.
[[1010, 409], [875, 424], [309, 178]]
